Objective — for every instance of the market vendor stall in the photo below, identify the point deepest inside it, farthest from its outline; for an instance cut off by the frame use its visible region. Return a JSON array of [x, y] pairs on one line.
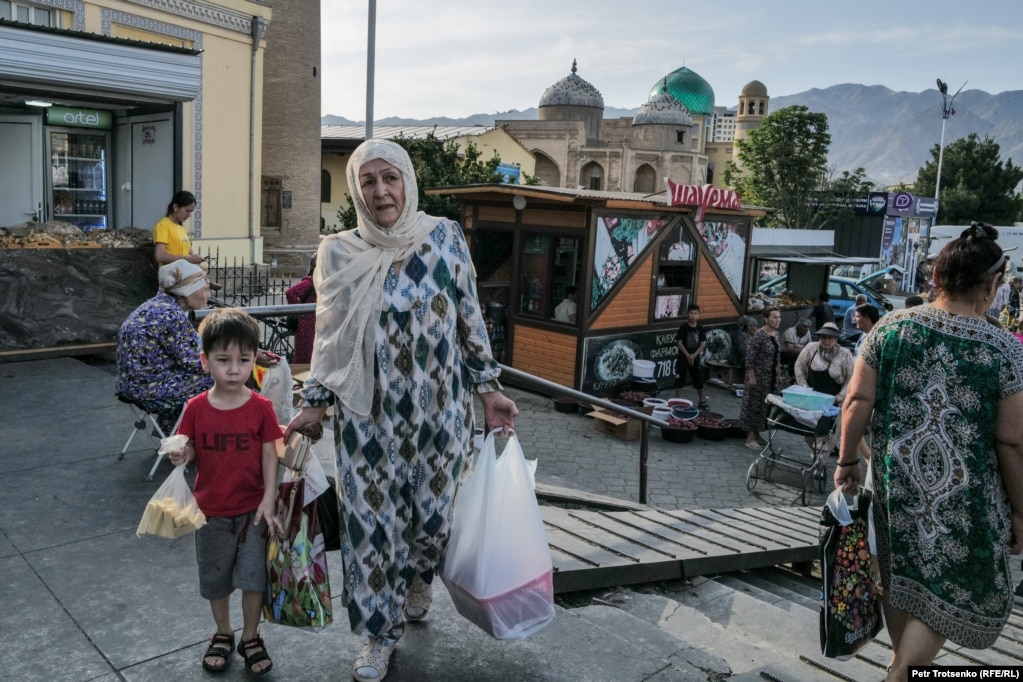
[[63, 292], [635, 261]]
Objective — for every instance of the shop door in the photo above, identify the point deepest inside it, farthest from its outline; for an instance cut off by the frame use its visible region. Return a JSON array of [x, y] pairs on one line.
[[21, 174], [152, 169]]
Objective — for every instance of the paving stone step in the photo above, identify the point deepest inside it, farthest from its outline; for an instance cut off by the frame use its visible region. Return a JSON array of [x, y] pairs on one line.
[[765, 586], [682, 660], [744, 630]]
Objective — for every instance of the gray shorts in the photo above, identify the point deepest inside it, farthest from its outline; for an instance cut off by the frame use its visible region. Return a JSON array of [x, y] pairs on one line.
[[231, 555]]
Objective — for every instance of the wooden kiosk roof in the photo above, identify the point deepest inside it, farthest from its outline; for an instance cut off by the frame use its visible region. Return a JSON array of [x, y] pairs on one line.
[[583, 198]]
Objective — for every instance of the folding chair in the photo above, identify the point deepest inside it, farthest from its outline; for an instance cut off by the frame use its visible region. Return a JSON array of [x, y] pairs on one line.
[[141, 417]]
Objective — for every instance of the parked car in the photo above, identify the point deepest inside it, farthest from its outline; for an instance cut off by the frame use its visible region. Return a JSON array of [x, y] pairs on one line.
[[842, 290]]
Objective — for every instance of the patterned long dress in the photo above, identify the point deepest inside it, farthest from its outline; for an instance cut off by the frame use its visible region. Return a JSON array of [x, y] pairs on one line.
[[941, 511], [763, 356], [158, 363], [397, 468]]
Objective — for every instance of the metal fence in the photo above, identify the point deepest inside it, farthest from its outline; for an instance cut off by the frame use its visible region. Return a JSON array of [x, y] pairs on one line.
[[245, 285]]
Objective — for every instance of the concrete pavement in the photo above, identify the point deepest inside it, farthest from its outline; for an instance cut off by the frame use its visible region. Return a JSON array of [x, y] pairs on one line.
[[85, 599]]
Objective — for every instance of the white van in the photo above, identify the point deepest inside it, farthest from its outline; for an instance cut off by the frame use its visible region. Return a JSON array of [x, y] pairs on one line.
[[1009, 237]]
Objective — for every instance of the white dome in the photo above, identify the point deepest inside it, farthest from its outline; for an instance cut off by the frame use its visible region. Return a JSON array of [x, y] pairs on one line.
[[572, 91], [663, 109]]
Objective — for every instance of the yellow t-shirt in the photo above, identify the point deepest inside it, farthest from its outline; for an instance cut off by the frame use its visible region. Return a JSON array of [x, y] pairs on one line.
[[174, 236]]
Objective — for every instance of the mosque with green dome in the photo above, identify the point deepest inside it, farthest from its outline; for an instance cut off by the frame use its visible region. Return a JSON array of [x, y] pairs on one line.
[[677, 133]]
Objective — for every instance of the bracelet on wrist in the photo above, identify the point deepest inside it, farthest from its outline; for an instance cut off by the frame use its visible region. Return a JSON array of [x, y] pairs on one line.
[[849, 464]]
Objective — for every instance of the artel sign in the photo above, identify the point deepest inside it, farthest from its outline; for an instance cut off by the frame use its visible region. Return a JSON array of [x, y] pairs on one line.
[[79, 118]]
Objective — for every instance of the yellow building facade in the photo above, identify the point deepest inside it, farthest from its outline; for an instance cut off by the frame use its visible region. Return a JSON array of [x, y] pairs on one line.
[[108, 108]]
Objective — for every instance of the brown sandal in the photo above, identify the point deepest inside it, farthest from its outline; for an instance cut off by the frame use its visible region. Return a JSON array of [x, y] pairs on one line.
[[246, 645], [219, 652]]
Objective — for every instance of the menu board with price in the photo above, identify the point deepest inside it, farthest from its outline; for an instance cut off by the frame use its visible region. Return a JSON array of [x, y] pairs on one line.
[[608, 359]]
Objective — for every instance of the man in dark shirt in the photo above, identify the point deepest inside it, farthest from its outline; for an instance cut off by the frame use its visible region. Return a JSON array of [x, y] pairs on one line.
[[822, 312], [691, 340]]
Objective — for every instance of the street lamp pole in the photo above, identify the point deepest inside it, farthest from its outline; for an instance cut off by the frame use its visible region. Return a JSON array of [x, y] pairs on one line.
[[946, 111], [371, 49]]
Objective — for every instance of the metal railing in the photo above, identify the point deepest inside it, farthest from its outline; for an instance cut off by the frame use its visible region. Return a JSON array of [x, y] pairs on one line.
[[646, 420], [557, 389]]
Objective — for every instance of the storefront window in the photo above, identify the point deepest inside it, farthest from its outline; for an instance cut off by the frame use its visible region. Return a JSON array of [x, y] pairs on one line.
[[27, 13], [492, 256], [533, 290], [675, 275], [564, 284], [549, 276]]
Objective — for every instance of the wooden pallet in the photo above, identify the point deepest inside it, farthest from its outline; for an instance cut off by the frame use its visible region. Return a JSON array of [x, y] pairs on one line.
[[598, 549]]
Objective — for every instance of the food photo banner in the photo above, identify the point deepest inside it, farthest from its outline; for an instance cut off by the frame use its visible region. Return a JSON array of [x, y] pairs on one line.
[[608, 359]]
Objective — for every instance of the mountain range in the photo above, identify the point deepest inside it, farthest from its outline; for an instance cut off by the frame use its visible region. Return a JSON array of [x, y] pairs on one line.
[[890, 134]]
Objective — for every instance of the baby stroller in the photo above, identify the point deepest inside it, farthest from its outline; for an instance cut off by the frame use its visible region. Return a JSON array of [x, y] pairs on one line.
[[820, 433]]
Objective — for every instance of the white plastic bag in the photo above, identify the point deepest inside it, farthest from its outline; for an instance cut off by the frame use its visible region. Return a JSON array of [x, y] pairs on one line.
[[498, 567], [172, 511], [276, 387]]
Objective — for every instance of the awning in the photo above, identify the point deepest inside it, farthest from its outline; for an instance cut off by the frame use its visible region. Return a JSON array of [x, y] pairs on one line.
[[832, 259], [80, 62]]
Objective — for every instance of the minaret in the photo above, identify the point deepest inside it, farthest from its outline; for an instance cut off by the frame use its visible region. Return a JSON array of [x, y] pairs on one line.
[[753, 103], [753, 107]]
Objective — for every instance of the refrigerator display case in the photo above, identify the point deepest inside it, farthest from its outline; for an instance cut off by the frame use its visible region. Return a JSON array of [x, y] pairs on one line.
[[78, 177]]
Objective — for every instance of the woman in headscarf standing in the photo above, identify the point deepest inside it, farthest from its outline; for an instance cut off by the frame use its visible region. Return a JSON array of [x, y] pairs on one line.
[[763, 376], [401, 347], [943, 391]]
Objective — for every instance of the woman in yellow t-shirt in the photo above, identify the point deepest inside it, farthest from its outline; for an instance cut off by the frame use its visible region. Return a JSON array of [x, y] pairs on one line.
[[171, 239]]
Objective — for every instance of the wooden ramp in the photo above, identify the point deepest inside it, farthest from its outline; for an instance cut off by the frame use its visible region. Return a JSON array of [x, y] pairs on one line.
[[597, 549]]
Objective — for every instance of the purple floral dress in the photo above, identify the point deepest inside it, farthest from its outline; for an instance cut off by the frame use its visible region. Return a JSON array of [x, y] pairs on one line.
[[158, 364], [763, 357]]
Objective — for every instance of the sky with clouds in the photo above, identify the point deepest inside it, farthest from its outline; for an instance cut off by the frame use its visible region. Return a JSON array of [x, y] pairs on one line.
[[456, 58]]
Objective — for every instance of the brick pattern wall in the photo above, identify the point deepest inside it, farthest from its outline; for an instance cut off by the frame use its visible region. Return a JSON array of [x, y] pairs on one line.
[[545, 354], [291, 129]]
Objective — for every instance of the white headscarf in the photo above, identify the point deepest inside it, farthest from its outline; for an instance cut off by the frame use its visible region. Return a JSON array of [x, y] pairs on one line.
[[349, 280], [181, 278]]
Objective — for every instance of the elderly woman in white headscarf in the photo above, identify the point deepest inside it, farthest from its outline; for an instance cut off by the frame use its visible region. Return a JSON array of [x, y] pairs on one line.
[[158, 365], [401, 347]]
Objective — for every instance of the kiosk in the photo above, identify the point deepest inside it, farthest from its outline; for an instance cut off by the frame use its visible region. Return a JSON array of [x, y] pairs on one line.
[[637, 262]]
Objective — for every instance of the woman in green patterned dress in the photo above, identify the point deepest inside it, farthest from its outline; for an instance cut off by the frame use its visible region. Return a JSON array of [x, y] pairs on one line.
[[400, 349], [945, 389]]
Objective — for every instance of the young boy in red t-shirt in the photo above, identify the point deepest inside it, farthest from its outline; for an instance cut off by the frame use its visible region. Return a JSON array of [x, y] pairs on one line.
[[232, 436]]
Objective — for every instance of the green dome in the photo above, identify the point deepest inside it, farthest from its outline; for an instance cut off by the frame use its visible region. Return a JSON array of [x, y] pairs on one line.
[[689, 88]]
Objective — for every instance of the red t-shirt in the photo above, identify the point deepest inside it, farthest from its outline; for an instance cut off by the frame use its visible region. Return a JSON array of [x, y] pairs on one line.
[[228, 452]]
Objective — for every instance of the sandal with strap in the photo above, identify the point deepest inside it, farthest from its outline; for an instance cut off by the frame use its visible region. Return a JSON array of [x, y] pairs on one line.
[[418, 599], [217, 651], [374, 659], [251, 659]]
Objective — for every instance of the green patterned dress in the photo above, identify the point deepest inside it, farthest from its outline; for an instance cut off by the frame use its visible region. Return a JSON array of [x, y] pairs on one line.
[[397, 468], [941, 511]]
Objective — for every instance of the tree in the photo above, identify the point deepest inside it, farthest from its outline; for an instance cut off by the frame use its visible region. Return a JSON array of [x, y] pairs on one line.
[[975, 183], [438, 164], [784, 166], [842, 193]]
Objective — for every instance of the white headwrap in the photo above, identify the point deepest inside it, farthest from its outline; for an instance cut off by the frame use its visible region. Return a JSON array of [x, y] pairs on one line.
[[349, 280], [181, 278]]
